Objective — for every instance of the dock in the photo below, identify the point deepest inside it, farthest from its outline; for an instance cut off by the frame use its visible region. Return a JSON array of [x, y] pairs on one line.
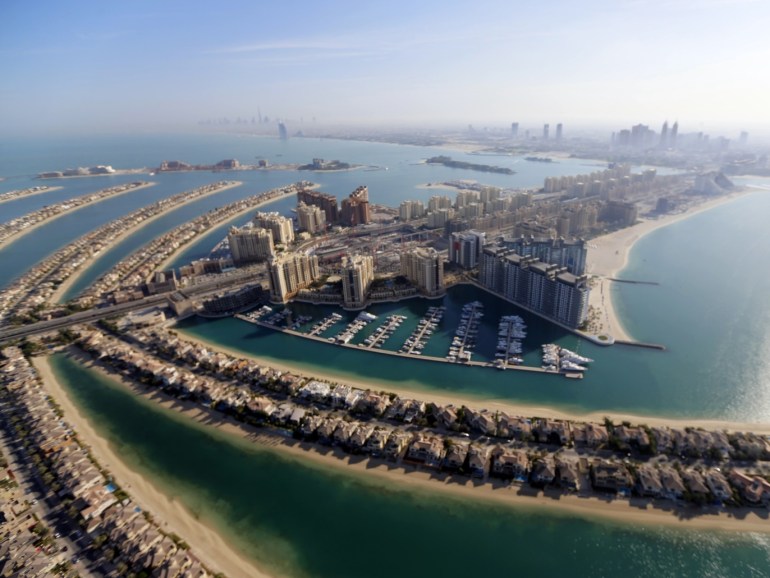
[[395, 353], [656, 346]]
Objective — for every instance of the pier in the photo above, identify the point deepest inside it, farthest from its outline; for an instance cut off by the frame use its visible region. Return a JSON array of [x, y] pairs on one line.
[[529, 369], [633, 281], [657, 346]]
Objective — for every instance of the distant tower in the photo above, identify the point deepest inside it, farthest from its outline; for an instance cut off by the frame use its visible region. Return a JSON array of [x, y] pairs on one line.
[[514, 129], [546, 128], [559, 128], [259, 115], [744, 138], [282, 131], [664, 135], [674, 132]]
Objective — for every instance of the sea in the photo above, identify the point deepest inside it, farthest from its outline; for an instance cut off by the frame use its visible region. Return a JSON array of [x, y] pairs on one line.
[[709, 308]]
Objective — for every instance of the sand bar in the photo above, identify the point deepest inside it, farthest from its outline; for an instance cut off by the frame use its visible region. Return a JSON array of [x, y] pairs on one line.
[[72, 279], [381, 472], [170, 514], [608, 256]]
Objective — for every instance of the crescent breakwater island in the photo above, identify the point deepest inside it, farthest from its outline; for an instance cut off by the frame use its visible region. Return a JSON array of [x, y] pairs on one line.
[[15, 228], [226, 165]]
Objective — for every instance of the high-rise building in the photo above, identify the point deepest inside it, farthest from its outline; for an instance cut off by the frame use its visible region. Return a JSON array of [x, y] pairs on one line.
[[324, 200], [425, 268], [409, 210], [664, 136], [357, 275], [547, 289], [282, 228], [465, 248], [552, 250], [674, 134], [311, 218], [439, 218], [437, 202], [290, 272], [250, 244], [514, 129], [546, 129], [466, 198], [282, 132], [355, 209], [559, 128], [743, 140]]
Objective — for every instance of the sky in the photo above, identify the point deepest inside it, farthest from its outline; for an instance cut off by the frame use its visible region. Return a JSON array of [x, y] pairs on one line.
[[142, 65]]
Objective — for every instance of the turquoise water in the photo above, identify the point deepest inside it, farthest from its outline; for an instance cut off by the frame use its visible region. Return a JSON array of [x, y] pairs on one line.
[[300, 520], [710, 310]]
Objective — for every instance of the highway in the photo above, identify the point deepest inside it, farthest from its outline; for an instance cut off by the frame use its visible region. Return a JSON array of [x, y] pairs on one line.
[[16, 332]]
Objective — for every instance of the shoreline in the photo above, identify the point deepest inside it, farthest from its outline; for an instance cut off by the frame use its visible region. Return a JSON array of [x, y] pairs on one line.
[[22, 233], [27, 195], [444, 398], [72, 279], [609, 254], [173, 256], [383, 473], [206, 544]]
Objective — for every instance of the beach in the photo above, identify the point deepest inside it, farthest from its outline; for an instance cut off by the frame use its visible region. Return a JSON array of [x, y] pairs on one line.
[[479, 403], [381, 472], [4, 199], [46, 221], [72, 279], [608, 256], [207, 545]]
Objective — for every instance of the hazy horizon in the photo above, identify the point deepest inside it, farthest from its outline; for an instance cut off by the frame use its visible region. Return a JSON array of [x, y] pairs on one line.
[[89, 66]]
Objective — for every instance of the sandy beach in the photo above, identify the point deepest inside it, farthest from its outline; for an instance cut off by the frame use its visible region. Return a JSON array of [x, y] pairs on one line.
[[206, 544], [4, 199], [635, 511], [15, 237], [72, 279], [608, 256], [499, 405]]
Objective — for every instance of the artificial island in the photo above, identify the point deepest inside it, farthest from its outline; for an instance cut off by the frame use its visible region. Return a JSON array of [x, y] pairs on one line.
[[551, 253]]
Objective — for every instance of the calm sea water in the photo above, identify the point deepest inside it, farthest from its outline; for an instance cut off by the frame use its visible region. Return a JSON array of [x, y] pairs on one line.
[[300, 520], [710, 310]]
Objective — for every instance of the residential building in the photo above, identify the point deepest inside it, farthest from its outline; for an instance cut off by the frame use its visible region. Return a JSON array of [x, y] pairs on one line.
[[357, 275], [425, 268], [409, 210], [311, 218], [250, 244], [465, 248], [282, 228], [290, 272], [328, 203], [355, 209]]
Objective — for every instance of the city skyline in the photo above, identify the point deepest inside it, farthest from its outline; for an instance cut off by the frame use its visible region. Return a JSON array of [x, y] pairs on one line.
[[87, 67]]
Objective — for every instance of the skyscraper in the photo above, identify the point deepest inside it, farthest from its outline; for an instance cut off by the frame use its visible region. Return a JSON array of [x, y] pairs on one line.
[[664, 136], [674, 132], [326, 201], [546, 128], [559, 128], [282, 133], [514, 129]]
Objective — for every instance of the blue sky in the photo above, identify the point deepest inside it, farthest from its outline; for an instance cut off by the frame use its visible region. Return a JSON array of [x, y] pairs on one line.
[[83, 65]]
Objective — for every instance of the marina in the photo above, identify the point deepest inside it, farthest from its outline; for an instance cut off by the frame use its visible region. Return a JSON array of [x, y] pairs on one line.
[[464, 340]]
